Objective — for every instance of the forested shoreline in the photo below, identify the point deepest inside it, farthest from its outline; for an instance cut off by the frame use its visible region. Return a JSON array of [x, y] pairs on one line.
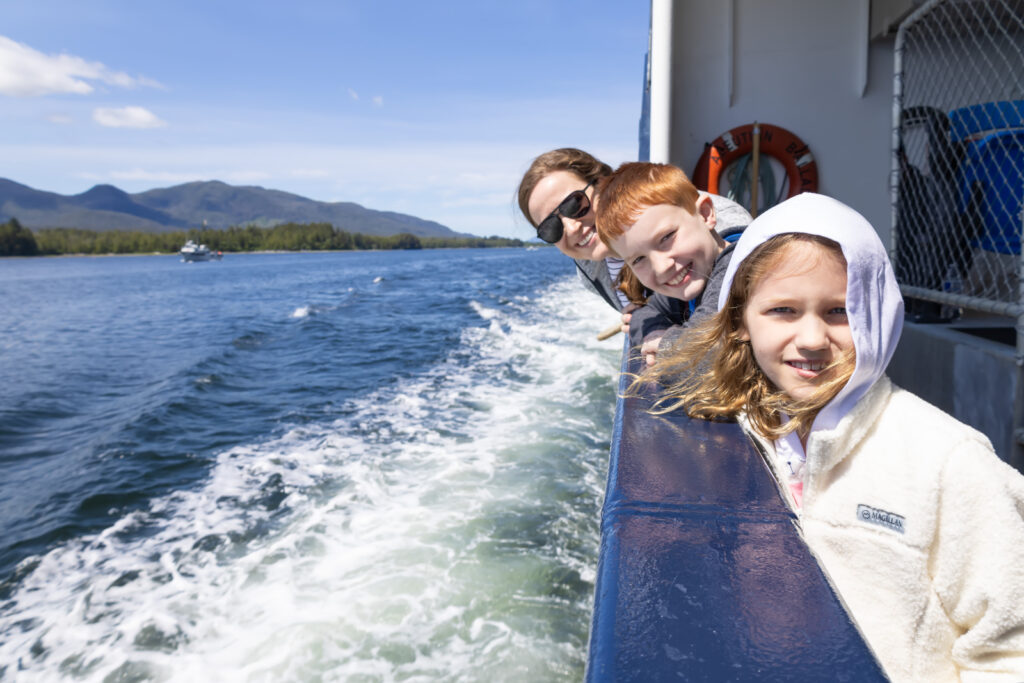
[[17, 240]]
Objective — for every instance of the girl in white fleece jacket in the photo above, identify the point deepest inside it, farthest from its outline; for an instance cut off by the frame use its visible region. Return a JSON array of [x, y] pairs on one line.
[[914, 518]]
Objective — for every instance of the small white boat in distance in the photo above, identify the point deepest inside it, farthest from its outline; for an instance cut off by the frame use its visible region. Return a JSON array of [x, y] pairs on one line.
[[199, 252]]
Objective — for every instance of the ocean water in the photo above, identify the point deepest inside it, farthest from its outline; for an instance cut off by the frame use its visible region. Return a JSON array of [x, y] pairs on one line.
[[380, 466]]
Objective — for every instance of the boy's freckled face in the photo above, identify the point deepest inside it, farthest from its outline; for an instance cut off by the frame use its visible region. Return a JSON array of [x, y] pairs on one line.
[[670, 250], [796, 319], [579, 239]]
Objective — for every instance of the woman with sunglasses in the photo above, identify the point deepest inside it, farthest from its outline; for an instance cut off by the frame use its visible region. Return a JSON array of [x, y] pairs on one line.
[[556, 195]]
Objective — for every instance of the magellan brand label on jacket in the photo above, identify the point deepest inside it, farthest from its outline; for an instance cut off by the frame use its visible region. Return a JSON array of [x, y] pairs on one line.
[[872, 515]]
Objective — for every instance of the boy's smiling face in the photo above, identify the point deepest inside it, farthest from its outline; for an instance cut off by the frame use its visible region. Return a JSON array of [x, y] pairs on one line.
[[671, 250]]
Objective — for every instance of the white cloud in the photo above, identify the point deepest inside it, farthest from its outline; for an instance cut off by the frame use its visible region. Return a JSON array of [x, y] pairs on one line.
[[61, 119], [142, 175], [25, 72], [353, 94], [244, 176], [309, 173], [127, 117], [150, 83], [490, 199], [378, 100], [139, 174]]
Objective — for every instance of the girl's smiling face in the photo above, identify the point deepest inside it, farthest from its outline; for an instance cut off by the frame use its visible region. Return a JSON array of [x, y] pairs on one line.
[[795, 318]]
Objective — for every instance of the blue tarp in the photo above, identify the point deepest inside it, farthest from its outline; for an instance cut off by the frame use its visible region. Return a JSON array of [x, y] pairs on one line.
[[993, 170]]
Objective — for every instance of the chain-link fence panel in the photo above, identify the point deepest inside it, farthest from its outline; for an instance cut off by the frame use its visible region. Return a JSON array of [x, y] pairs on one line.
[[959, 157]]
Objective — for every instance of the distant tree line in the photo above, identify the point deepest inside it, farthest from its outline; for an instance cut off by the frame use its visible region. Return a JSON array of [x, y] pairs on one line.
[[17, 240]]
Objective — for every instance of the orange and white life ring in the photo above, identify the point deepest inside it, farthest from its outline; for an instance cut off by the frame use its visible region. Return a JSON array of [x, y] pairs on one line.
[[776, 142]]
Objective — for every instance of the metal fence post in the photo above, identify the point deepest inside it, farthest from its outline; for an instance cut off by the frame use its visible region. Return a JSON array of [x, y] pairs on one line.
[[1017, 457]]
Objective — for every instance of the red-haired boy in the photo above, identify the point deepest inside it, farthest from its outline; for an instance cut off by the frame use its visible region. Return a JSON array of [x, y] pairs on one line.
[[663, 227]]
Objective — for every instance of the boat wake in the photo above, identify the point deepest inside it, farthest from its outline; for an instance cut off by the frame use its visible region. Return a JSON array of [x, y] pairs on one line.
[[423, 533]]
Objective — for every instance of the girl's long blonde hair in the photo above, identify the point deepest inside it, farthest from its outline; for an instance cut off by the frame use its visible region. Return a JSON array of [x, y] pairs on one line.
[[712, 374]]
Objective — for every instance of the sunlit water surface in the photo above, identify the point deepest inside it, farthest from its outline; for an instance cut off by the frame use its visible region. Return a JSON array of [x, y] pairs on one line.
[[301, 467]]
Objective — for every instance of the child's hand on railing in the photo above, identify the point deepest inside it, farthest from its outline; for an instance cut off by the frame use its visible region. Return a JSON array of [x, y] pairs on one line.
[[627, 315], [649, 348]]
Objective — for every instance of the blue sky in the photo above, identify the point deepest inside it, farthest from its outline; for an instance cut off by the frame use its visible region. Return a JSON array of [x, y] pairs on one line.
[[433, 109]]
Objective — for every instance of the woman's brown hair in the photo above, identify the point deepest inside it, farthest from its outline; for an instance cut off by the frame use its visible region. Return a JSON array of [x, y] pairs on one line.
[[629, 285], [712, 374]]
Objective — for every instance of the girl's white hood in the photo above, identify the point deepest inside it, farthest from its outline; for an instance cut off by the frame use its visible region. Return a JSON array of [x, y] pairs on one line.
[[874, 306]]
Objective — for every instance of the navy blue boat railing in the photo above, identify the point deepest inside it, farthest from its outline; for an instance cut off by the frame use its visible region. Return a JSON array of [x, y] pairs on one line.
[[703, 575]]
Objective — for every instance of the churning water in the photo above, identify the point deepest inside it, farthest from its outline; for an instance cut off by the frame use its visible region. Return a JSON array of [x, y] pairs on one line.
[[300, 467]]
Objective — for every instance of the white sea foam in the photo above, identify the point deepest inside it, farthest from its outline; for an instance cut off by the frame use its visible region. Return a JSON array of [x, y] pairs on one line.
[[483, 311], [302, 312], [417, 538]]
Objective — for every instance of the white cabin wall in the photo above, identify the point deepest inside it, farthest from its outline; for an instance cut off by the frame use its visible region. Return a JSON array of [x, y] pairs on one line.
[[796, 65]]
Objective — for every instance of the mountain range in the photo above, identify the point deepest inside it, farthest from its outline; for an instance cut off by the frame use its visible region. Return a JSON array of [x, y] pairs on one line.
[[217, 204]]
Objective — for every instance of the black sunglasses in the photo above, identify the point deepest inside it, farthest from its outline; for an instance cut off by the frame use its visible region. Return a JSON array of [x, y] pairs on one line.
[[575, 205]]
